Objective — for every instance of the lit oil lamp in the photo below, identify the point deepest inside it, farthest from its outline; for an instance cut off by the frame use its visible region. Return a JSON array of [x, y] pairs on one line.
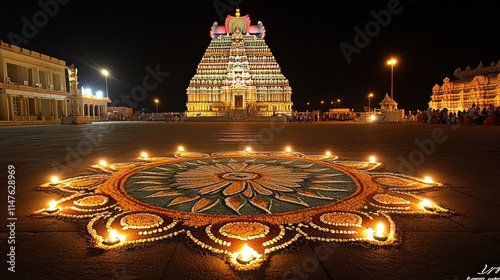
[[328, 154], [114, 238], [372, 159], [52, 207], [102, 163], [427, 205], [54, 180], [288, 149], [379, 233], [144, 155], [428, 180], [246, 255], [180, 149], [248, 149]]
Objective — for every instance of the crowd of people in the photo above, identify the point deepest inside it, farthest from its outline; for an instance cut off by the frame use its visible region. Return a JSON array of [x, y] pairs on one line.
[[488, 115]]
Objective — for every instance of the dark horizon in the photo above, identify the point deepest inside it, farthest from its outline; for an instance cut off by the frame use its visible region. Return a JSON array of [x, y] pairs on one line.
[[326, 54]]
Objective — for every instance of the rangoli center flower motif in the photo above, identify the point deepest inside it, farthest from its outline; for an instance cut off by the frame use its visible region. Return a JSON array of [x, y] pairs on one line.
[[242, 186]]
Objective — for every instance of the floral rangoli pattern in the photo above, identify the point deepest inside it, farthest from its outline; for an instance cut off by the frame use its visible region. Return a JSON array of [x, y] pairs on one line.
[[241, 206]]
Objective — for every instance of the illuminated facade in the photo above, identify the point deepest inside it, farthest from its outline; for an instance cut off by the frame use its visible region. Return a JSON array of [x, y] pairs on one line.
[[478, 86], [238, 75], [34, 87]]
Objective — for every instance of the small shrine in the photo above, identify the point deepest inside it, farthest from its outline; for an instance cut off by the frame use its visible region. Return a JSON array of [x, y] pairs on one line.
[[387, 104]]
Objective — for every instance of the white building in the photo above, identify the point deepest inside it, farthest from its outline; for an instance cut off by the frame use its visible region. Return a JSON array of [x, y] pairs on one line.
[[34, 87]]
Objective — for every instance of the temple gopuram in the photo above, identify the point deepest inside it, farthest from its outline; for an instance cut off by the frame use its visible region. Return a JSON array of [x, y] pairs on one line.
[[478, 86], [238, 75]]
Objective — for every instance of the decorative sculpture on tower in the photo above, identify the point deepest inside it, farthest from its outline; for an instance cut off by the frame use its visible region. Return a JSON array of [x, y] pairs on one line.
[[75, 98]]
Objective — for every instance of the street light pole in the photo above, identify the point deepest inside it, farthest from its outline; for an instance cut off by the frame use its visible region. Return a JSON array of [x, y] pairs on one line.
[[106, 73], [391, 62], [369, 106], [156, 101]]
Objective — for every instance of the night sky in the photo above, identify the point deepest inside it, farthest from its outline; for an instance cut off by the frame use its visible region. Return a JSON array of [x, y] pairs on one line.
[[134, 38]]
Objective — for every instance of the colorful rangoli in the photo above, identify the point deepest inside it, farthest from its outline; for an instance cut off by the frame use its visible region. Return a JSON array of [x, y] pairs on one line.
[[241, 206]]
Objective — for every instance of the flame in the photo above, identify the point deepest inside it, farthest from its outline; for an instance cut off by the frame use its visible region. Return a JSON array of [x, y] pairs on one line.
[[114, 236], [426, 204], [54, 179], [52, 205], [428, 180], [380, 229], [247, 254]]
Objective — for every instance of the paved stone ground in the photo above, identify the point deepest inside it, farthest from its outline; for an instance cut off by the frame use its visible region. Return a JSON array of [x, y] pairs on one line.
[[456, 247]]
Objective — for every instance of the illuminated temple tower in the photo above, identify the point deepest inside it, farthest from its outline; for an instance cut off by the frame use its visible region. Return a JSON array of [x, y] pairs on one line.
[[238, 75]]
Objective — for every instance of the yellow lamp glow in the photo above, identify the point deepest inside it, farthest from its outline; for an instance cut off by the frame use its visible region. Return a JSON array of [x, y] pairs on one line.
[[427, 205], [180, 149], [328, 153], [428, 180], [248, 149], [288, 149], [246, 255], [144, 155], [372, 159], [380, 233], [102, 162], [114, 237], [52, 207], [54, 179], [372, 117]]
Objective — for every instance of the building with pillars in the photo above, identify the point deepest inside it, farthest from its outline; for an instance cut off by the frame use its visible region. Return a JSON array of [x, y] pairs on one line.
[[479, 86], [34, 87], [238, 75]]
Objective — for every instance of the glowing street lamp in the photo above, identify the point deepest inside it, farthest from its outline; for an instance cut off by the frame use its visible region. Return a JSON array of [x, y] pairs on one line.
[[391, 62], [156, 101], [338, 102], [105, 73], [369, 98]]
